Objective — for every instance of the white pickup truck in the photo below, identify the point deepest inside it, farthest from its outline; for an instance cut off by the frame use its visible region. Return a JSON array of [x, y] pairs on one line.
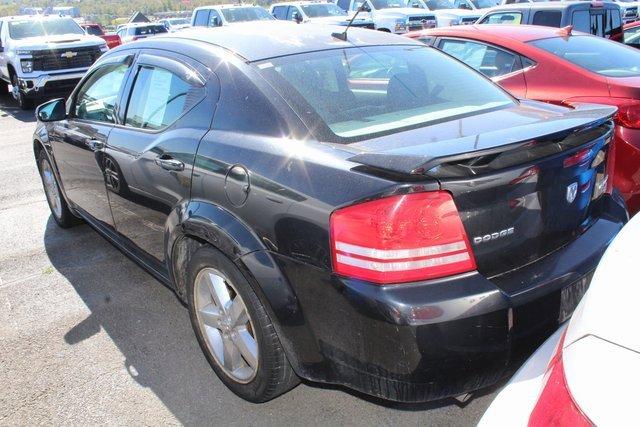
[[42, 57], [401, 16]]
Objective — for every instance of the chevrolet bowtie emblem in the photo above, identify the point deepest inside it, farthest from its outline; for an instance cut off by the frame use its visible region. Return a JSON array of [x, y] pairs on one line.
[[69, 54]]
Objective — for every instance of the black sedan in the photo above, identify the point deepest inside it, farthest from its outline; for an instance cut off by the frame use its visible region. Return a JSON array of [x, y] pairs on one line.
[[367, 212]]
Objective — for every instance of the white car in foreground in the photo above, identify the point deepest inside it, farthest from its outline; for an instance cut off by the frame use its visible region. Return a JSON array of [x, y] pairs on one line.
[[589, 370]]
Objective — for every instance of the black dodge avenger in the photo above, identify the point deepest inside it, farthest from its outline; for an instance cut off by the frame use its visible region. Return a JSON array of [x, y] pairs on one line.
[[367, 212]]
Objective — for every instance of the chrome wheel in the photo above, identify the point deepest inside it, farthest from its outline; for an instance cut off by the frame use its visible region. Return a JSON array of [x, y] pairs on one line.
[[226, 325], [111, 173], [51, 188]]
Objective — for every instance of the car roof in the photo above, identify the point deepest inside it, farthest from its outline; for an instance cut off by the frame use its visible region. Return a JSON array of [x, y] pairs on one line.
[[285, 38], [520, 33]]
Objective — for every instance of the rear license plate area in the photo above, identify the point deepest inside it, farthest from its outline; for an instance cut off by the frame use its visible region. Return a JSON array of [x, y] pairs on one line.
[[571, 295]]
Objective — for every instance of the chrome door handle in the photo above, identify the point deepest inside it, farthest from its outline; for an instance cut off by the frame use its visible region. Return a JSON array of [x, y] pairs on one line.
[[95, 144], [169, 164]]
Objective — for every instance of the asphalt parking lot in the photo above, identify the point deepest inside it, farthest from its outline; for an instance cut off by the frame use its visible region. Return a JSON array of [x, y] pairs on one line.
[[87, 337]]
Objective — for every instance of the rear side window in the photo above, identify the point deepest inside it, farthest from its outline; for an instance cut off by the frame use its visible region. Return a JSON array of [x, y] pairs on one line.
[[514, 18], [280, 12], [202, 18], [489, 60], [158, 99], [149, 30], [596, 54], [601, 23], [548, 18]]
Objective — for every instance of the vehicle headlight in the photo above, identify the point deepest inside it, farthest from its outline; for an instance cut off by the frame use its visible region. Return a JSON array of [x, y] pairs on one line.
[[401, 25], [23, 52], [104, 48], [27, 66]]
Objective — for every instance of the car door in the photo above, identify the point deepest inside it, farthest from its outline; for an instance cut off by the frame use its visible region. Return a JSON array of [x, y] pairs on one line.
[[79, 141], [149, 160], [500, 65]]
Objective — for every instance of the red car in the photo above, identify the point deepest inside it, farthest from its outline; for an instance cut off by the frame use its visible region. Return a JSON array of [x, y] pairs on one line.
[[630, 35], [558, 66], [112, 40]]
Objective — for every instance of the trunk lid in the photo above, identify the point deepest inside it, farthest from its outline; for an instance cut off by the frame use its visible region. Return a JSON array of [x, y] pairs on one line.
[[525, 185]]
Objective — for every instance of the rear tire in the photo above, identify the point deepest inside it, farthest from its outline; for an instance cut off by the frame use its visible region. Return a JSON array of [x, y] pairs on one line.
[[57, 204], [240, 344]]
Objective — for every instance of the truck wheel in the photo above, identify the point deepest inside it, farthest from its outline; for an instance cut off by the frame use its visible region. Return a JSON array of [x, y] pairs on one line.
[[234, 329], [58, 205], [23, 102]]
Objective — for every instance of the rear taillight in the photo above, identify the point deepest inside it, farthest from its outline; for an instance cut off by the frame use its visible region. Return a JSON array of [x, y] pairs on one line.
[[400, 239], [555, 406], [628, 115]]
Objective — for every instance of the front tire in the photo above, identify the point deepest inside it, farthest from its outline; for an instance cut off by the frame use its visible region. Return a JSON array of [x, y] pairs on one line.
[[234, 329], [58, 205], [23, 102]]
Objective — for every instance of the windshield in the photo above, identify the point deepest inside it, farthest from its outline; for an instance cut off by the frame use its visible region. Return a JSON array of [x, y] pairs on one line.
[[148, 30], [482, 4], [595, 54], [178, 21], [241, 14], [43, 27], [439, 4], [386, 4], [358, 93], [321, 10]]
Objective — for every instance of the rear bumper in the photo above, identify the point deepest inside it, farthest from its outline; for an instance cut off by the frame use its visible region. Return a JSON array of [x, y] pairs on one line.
[[430, 340]]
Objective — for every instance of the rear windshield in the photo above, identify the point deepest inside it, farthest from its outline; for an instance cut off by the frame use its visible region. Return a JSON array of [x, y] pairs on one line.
[[240, 14], [149, 29], [43, 27], [595, 54], [358, 93], [322, 9]]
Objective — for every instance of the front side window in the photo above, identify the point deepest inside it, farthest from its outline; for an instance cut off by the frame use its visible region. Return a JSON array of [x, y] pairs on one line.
[[490, 61], [386, 4], [159, 98], [439, 4], [242, 14], [43, 27], [280, 12], [360, 93], [214, 19], [97, 97], [548, 18], [514, 18], [594, 54]]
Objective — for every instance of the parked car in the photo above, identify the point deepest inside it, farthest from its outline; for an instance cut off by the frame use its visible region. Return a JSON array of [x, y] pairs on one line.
[[175, 24], [630, 35], [628, 8], [44, 57], [392, 16], [562, 68], [216, 16], [447, 13], [598, 18], [113, 40], [367, 212], [586, 373], [316, 12], [138, 31]]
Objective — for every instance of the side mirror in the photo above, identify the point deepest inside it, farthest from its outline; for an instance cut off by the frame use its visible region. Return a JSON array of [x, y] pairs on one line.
[[52, 111], [297, 17]]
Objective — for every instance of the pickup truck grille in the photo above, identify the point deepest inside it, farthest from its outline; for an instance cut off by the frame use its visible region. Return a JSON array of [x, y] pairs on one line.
[[421, 22], [63, 59]]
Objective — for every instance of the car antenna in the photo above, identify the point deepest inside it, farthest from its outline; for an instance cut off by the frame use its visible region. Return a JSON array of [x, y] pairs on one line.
[[343, 35]]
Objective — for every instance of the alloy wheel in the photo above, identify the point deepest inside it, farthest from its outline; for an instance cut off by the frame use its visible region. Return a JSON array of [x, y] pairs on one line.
[[226, 325], [51, 188]]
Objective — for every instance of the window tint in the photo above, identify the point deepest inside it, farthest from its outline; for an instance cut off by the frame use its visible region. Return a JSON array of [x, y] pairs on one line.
[[159, 98], [149, 30], [291, 13], [343, 4], [202, 18], [490, 61], [604, 23], [214, 19], [426, 39], [514, 18], [364, 92], [595, 54], [582, 21], [280, 12], [97, 97], [548, 18], [94, 31]]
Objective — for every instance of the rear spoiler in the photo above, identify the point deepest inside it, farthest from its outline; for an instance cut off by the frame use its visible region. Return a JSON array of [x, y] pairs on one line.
[[419, 159]]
